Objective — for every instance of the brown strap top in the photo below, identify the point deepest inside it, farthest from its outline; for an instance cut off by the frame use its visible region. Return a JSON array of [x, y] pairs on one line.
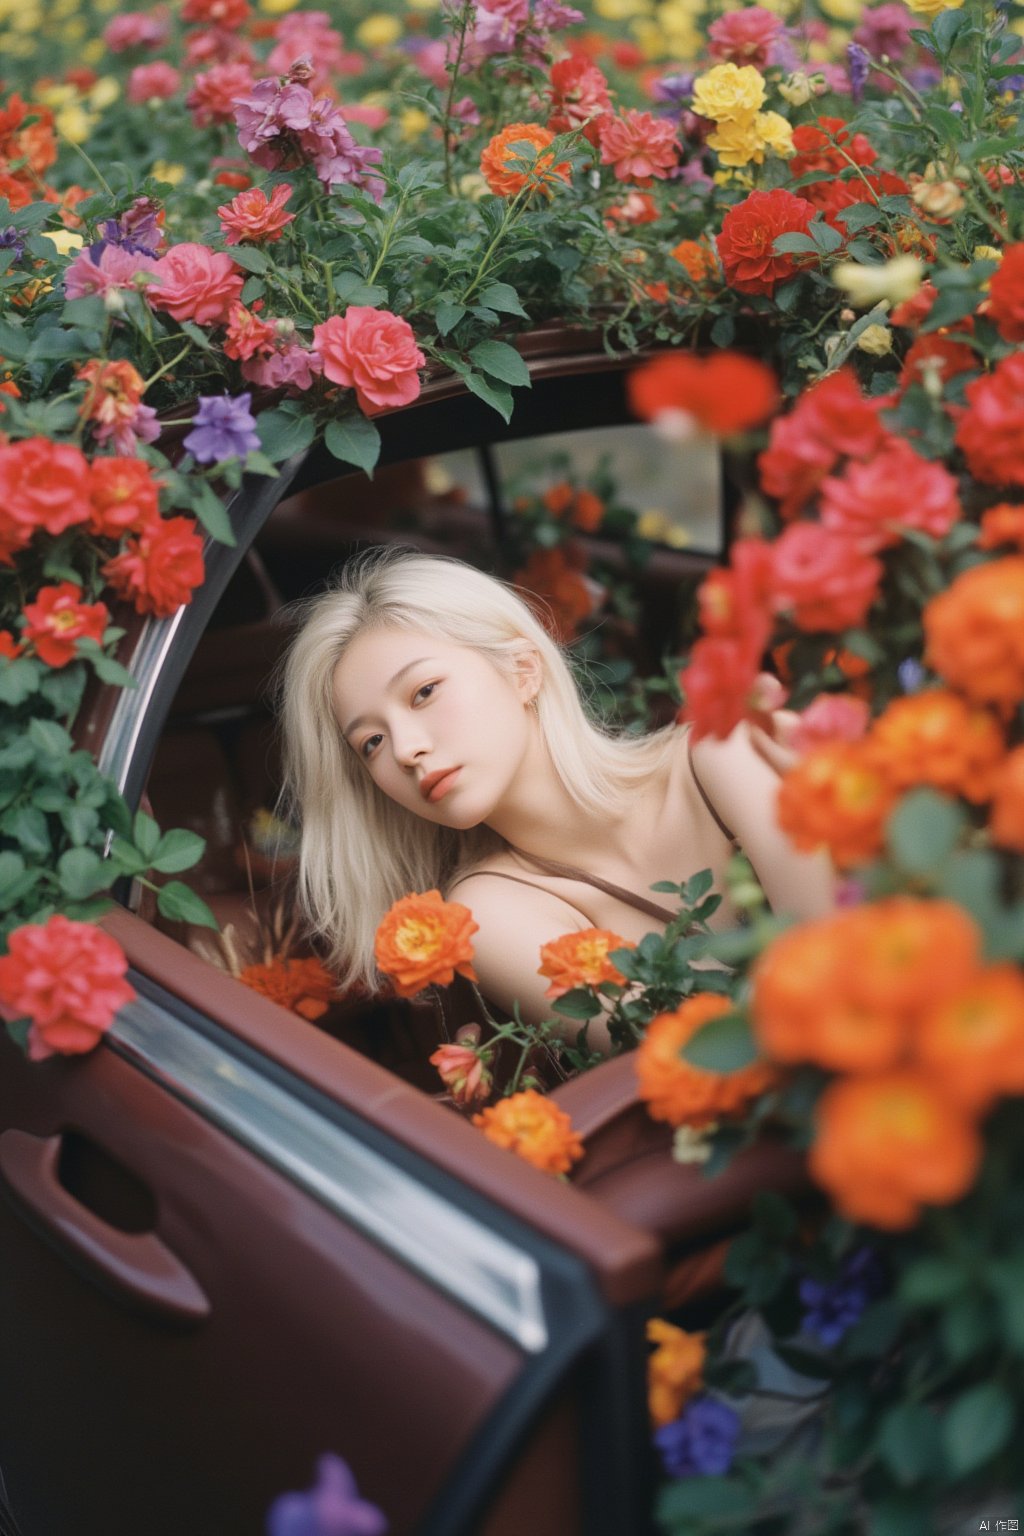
[[573, 872]]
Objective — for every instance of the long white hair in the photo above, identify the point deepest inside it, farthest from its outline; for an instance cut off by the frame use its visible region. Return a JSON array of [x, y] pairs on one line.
[[360, 851]]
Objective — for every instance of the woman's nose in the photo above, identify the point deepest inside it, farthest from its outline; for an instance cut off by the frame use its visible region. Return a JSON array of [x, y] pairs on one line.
[[410, 744]]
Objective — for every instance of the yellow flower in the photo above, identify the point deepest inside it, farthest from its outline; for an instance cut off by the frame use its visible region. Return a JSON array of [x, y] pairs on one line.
[[737, 144], [675, 1370], [66, 240], [621, 10], [28, 19], [656, 524], [74, 123], [894, 280], [798, 88], [776, 133], [424, 5], [842, 10], [413, 123], [932, 8], [472, 186], [729, 93], [379, 31], [650, 38], [104, 93], [168, 170], [94, 50], [986, 253], [277, 7], [875, 340], [57, 95], [682, 35]]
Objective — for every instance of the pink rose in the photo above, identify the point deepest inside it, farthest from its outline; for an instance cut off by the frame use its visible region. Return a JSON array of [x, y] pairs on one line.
[[830, 717], [823, 579], [68, 978], [373, 352], [153, 81], [137, 29], [894, 489], [195, 283]]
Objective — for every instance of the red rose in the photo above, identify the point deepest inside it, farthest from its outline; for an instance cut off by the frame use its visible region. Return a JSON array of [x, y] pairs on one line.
[[822, 579], [124, 496], [9, 647], [939, 354], [373, 352], [578, 91], [57, 620], [229, 14], [873, 501], [212, 97], [736, 603], [42, 485], [826, 146], [749, 232], [1006, 294], [195, 283], [991, 430], [160, 569], [830, 420], [723, 393], [68, 978], [718, 684]]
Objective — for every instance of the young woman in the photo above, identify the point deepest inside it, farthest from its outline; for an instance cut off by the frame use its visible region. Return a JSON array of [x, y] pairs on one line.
[[434, 737]]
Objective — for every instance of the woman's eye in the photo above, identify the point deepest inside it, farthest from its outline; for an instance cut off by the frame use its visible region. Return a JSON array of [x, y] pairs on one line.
[[424, 692], [368, 745]]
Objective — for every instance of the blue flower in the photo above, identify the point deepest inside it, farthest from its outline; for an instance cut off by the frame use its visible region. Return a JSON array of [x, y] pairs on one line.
[[832, 1309], [222, 428], [12, 239], [858, 67], [911, 674], [331, 1508], [701, 1442]]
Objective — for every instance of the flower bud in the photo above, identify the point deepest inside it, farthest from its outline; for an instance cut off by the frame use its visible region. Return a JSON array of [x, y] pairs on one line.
[[875, 340]]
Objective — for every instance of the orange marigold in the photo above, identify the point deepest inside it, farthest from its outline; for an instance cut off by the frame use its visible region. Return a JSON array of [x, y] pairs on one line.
[[935, 738], [975, 633], [681, 1093], [674, 1371], [507, 170], [424, 939], [973, 1042], [556, 590], [534, 1128], [837, 797], [1006, 818], [903, 953], [697, 260], [304, 986], [580, 960], [1001, 525], [802, 1012], [888, 1144]]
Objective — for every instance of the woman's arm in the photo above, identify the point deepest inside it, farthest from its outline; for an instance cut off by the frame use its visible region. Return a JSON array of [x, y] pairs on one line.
[[743, 786]]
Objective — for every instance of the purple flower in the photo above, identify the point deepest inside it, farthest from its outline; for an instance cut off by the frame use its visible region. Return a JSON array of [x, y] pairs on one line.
[[674, 90], [858, 66], [331, 1508], [11, 239], [283, 125], [222, 428], [911, 674], [136, 231], [701, 1442], [832, 1309]]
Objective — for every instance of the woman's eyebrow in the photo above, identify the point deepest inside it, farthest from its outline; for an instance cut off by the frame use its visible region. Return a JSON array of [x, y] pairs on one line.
[[409, 667]]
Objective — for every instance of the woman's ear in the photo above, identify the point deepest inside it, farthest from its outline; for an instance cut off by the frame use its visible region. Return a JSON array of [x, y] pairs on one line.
[[528, 670]]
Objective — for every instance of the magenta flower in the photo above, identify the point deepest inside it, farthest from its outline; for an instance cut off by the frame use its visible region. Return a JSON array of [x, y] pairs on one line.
[[332, 1507], [285, 125]]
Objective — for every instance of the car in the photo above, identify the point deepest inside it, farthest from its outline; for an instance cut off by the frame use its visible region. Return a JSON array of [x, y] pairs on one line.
[[236, 1238]]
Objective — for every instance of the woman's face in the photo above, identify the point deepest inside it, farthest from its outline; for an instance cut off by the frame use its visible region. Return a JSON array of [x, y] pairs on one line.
[[438, 728]]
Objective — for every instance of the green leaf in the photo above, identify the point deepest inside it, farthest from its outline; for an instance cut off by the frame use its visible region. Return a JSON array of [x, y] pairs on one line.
[[723, 331], [447, 315], [971, 878], [503, 297], [352, 288], [146, 835], [181, 905], [931, 1282], [106, 668], [51, 738], [14, 342], [56, 342], [82, 872], [859, 216], [355, 440], [494, 395], [826, 239], [722, 1045], [910, 1442], [976, 1427], [923, 830], [578, 1003], [252, 289], [794, 244], [19, 679], [197, 334], [284, 433], [257, 463], [212, 513], [127, 858], [696, 1498], [947, 26], [250, 257], [177, 850], [80, 822], [62, 687], [501, 361], [966, 1328]]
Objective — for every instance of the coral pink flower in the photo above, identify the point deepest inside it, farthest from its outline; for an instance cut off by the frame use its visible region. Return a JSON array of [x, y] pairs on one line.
[[745, 37], [43, 484], [373, 352], [639, 146], [578, 91], [309, 35], [253, 216], [831, 419], [57, 620], [463, 1070], [290, 368], [68, 979], [872, 501], [212, 97], [137, 29], [195, 283], [719, 684], [153, 82], [830, 717], [160, 569], [991, 430], [822, 579], [115, 268], [124, 496], [247, 333]]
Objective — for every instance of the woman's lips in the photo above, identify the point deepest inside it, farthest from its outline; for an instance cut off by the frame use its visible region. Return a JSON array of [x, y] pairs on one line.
[[441, 788]]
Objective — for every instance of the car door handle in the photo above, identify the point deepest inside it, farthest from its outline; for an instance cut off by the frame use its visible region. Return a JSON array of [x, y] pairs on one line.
[[137, 1267]]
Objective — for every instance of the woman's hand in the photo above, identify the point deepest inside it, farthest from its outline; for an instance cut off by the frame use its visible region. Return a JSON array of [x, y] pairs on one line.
[[772, 728]]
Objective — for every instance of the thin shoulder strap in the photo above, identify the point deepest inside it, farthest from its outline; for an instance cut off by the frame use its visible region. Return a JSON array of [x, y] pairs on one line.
[[497, 874], [571, 872], [705, 796]]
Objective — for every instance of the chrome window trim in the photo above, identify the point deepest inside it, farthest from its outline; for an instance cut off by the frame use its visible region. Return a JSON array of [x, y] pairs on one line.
[[117, 754], [476, 1267]]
